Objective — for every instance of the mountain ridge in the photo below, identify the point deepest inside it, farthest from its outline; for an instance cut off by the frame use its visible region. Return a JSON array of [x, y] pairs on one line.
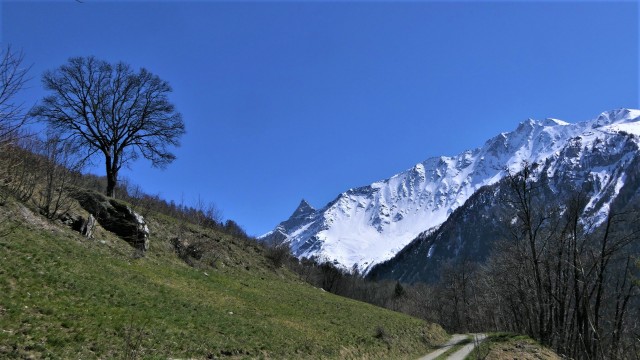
[[366, 225]]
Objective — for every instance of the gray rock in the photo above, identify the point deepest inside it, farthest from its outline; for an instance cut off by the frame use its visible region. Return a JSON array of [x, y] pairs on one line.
[[116, 217], [88, 226]]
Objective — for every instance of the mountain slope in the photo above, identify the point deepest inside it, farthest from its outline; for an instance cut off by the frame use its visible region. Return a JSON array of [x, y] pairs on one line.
[[367, 225], [602, 165]]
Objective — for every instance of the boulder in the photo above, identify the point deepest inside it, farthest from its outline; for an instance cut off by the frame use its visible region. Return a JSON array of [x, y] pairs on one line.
[[116, 217]]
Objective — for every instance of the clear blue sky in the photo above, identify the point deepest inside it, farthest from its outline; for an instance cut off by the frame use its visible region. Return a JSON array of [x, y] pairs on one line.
[[291, 100]]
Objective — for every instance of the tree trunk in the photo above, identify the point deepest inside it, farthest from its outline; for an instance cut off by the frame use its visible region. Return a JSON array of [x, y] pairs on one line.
[[111, 185], [112, 176]]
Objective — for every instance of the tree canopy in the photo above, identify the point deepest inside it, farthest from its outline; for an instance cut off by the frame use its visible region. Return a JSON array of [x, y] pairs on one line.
[[112, 110]]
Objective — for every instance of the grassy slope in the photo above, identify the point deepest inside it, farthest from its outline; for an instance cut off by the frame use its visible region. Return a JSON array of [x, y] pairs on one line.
[[63, 296], [506, 346]]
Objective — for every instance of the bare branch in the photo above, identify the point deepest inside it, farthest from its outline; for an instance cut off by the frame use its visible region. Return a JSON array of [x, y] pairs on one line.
[[13, 76]]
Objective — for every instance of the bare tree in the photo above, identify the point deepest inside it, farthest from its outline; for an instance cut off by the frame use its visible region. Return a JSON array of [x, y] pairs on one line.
[[20, 164], [560, 278], [206, 214], [58, 169], [111, 110], [13, 76]]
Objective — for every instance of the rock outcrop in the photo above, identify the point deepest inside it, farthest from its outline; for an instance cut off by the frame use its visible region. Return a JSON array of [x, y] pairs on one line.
[[116, 217]]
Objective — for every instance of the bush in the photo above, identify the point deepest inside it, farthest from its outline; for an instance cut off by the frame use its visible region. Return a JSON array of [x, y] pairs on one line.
[[278, 254]]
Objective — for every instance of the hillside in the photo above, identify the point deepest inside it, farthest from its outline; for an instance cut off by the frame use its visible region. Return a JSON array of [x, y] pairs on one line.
[[66, 296], [505, 346]]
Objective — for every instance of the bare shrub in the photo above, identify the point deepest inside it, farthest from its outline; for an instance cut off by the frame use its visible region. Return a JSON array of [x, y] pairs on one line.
[[278, 254], [20, 164], [59, 169]]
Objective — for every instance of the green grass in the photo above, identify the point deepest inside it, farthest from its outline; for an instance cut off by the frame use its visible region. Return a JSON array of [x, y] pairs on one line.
[[62, 296]]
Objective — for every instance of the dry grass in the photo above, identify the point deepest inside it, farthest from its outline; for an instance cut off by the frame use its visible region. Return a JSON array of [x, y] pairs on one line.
[[504, 346]]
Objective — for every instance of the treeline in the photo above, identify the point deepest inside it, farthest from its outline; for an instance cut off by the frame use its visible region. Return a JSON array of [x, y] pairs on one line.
[[570, 283], [409, 299]]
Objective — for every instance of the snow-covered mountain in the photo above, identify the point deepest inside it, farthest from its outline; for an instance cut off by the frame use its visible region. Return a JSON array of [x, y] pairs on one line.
[[367, 225]]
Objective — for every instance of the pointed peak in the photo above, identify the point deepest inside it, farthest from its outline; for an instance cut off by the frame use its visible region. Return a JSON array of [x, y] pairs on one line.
[[304, 202], [304, 207]]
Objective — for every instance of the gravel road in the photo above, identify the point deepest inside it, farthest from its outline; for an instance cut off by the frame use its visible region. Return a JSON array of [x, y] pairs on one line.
[[462, 352]]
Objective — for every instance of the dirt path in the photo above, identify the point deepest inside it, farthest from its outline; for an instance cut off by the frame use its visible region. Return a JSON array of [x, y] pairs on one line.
[[456, 339]]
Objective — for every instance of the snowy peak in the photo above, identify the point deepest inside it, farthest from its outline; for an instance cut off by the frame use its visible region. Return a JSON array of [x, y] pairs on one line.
[[618, 121], [596, 158], [303, 214], [304, 209], [554, 122], [366, 225], [618, 116]]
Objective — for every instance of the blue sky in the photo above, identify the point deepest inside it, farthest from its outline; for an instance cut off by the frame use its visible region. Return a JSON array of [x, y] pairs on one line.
[[291, 100]]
